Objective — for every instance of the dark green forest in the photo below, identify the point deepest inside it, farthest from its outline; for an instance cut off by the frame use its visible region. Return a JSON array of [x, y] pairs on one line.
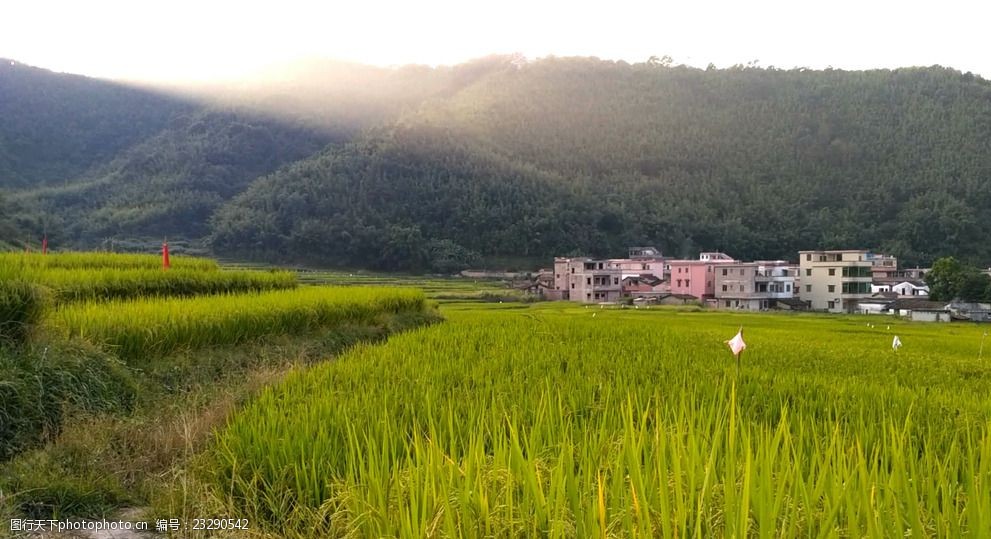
[[438, 168]]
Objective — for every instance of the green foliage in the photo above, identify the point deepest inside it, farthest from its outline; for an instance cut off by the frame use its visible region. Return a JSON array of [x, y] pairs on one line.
[[551, 423], [950, 279]]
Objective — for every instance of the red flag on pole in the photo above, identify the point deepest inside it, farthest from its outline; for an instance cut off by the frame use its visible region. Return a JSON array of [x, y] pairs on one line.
[[165, 255], [44, 245]]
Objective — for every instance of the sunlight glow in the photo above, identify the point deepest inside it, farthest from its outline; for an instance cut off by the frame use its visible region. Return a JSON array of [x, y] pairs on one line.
[[187, 40]]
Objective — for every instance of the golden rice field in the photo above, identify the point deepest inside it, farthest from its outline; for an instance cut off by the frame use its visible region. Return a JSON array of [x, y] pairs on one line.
[[557, 421], [151, 327], [90, 260]]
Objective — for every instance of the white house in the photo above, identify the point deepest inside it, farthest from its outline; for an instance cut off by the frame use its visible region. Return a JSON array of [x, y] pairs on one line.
[[910, 288]]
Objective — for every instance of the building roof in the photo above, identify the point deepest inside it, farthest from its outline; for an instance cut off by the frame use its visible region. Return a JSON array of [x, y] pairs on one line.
[[913, 304], [895, 281], [836, 251]]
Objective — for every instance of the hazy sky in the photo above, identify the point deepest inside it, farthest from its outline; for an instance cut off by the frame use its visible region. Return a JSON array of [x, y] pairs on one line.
[[208, 39]]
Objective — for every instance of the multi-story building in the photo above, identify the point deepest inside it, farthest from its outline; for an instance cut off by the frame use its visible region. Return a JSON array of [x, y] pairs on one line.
[[696, 277], [587, 280], [641, 260], [835, 280], [754, 285], [883, 266]]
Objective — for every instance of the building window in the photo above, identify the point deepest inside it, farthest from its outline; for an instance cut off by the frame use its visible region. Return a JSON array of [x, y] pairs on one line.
[[788, 288], [724, 274], [741, 288], [724, 288], [572, 286], [832, 288], [679, 282], [727, 303], [831, 305], [808, 272], [557, 275], [741, 271], [686, 282], [839, 257], [615, 280], [588, 280], [832, 271], [572, 270], [808, 288], [856, 288]]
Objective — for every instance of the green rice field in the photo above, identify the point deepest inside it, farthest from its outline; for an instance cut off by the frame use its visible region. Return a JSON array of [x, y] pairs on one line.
[[553, 420], [139, 328], [517, 419], [442, 289], [91, 260]]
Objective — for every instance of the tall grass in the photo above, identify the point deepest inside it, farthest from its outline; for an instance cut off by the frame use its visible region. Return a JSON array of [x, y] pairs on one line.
[[90, 260], [542, 424], [39, 384], [21, 307], [151, 327]]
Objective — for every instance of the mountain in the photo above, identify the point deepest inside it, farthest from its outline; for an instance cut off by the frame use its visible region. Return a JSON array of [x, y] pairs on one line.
[[56, 126], [589, 156], [432, 168]]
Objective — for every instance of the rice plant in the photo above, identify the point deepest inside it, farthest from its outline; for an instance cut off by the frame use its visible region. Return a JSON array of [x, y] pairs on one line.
[[79, 284], [553, 423], [139, 328], [90, 260]]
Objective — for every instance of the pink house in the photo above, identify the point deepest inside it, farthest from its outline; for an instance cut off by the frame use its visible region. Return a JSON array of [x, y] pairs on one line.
[[696, 277]]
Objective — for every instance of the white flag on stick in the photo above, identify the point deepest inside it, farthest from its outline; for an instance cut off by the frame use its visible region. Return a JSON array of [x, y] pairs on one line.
[[736, 344], [896, 343]]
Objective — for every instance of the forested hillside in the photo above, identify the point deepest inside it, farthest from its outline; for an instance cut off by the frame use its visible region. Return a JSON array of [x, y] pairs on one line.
[[432, 168], [55, 126], [759, 163], [170, 184]]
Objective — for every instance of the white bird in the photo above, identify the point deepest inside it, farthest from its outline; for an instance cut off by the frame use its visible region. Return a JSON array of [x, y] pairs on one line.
[[896, 343], [593, 315]]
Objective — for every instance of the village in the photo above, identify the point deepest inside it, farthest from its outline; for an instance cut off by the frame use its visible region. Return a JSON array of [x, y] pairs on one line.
[[834, 281]]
